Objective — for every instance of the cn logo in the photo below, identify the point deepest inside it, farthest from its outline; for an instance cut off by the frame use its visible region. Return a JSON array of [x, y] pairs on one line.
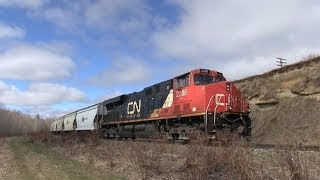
[[134, 107], [220, 99]]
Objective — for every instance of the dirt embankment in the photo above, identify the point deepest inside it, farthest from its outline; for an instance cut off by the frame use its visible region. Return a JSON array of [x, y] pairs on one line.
[[285, 103]]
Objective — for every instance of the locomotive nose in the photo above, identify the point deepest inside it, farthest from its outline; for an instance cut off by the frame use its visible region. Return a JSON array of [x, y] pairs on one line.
[[229, 97], [235, 101]]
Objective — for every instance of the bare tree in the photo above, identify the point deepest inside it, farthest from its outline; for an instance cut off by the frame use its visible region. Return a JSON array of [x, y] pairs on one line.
[[18, 123]]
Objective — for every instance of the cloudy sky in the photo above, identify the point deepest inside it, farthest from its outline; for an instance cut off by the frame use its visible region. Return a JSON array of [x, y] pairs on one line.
[[57, 56]]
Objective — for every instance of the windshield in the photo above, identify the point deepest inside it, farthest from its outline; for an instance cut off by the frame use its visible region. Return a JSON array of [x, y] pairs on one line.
[[202, 79], [205, 79]]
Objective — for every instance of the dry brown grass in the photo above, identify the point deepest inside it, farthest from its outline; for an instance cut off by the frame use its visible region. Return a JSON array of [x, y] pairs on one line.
[[233, 162], [296, 165], [197, 160], [2, 141], [43, 136]]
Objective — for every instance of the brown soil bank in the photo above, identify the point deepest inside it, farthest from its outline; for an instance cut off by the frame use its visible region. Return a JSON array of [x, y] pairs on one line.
[[285, 103]]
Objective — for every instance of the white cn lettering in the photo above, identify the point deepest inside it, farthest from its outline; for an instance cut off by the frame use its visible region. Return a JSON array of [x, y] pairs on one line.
[[219, 99], [137, 107], [134, 106]]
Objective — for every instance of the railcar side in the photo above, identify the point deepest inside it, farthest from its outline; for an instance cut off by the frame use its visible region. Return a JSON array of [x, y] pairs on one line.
[[86, 119], [69, 122]]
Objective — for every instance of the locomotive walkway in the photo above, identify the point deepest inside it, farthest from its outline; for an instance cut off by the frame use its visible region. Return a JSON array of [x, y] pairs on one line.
[[21, 159]]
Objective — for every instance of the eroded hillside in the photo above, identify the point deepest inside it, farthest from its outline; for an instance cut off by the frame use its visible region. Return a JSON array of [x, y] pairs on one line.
[[285, 103]]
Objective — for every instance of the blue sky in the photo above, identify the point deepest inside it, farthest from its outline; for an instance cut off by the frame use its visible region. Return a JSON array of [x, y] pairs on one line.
[[57, 56]]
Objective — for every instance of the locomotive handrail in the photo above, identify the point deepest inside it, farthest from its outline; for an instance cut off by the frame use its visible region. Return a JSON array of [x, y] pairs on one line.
[[206, 120], [215, 111]]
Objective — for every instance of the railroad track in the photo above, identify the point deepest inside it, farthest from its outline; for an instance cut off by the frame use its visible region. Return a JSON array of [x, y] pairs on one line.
[[289, 147]]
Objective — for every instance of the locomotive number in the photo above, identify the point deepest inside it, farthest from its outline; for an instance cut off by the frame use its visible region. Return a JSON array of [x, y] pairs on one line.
[[182, 93]]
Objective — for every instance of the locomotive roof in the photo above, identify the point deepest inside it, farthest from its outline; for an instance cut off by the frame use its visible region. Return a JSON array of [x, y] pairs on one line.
[[195, 70]]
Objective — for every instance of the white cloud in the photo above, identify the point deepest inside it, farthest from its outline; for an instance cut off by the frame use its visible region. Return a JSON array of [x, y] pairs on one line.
[[35, 62], [124, 70], [62, 17], [103, 23], [107, 95], [7, 31], [100, 15], [120, 15], [23, 3], [240, 36], [39, 94], [46, 111], [54, 111]]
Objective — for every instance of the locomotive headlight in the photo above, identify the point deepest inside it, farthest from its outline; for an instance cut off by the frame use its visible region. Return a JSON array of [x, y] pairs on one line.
[[228, 87]]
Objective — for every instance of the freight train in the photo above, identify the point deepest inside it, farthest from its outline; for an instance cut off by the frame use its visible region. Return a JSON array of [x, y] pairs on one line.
[[200, 101]]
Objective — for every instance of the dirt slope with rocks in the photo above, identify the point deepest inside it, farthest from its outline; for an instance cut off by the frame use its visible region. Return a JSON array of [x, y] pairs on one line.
[[285, 103]]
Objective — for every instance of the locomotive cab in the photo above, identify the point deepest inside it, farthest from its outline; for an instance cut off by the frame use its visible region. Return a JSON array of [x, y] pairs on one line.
[[198, 77], [204, 77]]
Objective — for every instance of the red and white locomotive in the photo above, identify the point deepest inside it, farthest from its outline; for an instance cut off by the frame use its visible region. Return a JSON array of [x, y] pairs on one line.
[[198, 101]]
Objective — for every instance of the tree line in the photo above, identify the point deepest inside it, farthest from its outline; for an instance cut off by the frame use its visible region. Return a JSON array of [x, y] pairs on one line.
[[17, 123]]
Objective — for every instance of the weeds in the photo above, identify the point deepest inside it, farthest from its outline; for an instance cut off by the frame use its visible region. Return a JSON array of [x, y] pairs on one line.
[[295, 165], [197, 160], [2, 140], [146, 158], [109, 152]]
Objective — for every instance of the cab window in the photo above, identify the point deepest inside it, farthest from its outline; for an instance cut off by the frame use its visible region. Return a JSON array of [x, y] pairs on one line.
[[183, 81], [202, 79], [220, 77]]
